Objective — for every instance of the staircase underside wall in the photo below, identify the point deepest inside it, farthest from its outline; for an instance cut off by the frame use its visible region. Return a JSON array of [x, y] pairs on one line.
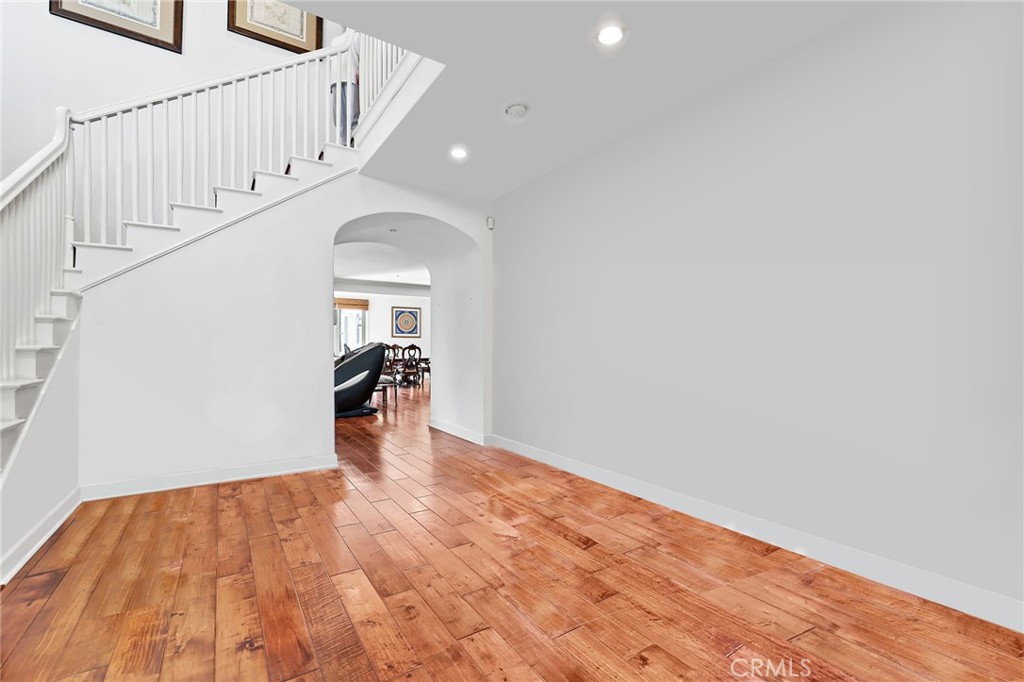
[[213, 362], [40, 487]]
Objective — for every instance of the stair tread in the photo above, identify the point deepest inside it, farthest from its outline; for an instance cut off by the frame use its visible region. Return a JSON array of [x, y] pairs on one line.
[[10, 423], [53, 318], [275, 174], [340, 146], [65, 292], [89, 245], [225, 188], [161, 226], [19, 383], [36, 348], [318, 162], [175, 204]]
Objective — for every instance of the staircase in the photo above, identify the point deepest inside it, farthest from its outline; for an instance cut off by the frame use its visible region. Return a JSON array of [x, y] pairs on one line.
[[118, 187]]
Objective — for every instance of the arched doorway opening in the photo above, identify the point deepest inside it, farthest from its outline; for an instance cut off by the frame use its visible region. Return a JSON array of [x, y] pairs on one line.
[[456, 315]]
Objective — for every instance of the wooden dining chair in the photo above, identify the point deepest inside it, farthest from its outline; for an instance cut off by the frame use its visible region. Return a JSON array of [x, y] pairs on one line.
[[411, 365]]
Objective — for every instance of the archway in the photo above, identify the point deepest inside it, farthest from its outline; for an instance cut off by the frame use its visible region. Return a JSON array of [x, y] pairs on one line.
[[458, 311]]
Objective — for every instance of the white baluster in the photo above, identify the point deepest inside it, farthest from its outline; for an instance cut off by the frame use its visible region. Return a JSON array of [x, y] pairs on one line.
[[104, 172], [179, 195], [136, 165], [151, 175], [246, 113], [328, 101], [258, 162], [295, 109], [119, 178], [194, 160], [87, 183], [165, 204], [306, 151], [220, 136], [233, 134], [282, 122], [208, 151]]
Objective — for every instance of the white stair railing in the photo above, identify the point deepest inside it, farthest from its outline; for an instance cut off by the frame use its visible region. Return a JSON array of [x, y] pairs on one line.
[[33, 243], [176, 147], [132, 161], [378, 60]]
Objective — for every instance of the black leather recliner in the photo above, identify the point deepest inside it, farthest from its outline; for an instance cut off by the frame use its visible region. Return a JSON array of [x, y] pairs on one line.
[[355, 379]]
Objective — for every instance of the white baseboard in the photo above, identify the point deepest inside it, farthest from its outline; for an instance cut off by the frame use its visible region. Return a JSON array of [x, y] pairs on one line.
[[97, 491], [458, 431], [21, 552], [976, 601]]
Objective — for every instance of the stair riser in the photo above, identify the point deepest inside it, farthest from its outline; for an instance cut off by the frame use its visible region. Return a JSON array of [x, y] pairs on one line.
[[236, 204], [98, 263], [193, 220], [52, 332], [7, 440], [273, 187], [342, 158], [309, 172], [34, 364], [146, 241], [74, 280], [18, 404], [65, 306]]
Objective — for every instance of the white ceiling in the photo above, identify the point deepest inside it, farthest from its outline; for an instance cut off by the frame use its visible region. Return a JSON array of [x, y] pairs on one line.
[[580, 96], [378, 263]]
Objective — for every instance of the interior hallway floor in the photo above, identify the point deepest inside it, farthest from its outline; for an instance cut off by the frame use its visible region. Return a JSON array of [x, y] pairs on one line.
[[425, 557]]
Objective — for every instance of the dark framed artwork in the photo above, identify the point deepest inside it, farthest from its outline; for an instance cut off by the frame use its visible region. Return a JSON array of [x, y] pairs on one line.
[[274, 22], [405, 322], [157, 22]]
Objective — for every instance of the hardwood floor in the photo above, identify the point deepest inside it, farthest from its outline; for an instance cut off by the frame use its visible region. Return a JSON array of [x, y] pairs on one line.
[[428, 558]]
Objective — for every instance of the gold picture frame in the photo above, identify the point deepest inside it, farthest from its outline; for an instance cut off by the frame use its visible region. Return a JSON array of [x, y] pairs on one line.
[[276, 23], [157, 22]]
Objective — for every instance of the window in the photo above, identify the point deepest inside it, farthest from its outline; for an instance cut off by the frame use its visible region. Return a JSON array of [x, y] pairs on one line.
[[349, 323]]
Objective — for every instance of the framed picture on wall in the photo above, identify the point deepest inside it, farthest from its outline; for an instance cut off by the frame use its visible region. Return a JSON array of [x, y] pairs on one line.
[[274, 22], [157, 22], [405, 322]]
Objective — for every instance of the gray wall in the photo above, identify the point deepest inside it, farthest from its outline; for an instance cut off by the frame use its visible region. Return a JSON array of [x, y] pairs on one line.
[[822, 266]]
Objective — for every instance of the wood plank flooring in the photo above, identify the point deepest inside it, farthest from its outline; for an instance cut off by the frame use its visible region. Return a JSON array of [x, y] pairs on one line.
[[425, 557]]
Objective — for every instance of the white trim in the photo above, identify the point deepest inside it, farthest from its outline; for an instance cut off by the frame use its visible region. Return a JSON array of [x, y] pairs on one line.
[[16, 556], [976, 601], [457, 431], [187, 479]]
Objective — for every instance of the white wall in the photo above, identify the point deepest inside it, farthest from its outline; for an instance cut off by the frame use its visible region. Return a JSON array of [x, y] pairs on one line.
[[48, 61], [378, 318], [40, 485], [213, 361], [823, 261]]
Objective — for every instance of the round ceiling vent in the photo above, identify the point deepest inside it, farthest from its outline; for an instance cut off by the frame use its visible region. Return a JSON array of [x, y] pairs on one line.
[[517, 111]]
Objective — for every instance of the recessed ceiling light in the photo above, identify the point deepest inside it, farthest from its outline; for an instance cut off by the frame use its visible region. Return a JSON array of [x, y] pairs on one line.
[[611, 35], [458, 153]]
